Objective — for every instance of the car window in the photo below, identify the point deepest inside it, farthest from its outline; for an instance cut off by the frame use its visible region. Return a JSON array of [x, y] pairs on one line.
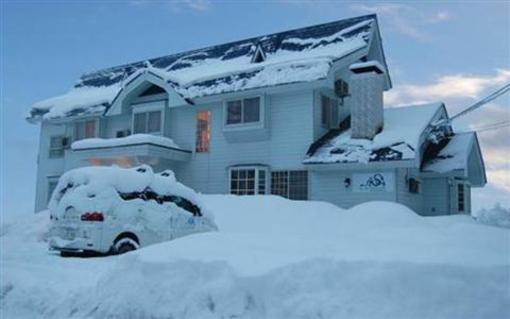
[[149, 194]]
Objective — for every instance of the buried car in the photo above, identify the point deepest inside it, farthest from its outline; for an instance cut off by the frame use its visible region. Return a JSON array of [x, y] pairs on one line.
[[116, 210]]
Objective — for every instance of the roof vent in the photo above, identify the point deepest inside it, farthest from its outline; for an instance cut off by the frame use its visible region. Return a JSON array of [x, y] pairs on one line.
[[259, 55]]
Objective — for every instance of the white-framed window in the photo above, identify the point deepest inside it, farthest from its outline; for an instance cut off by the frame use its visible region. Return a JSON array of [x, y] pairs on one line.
[[203, 132], [247, 180], [148, 118], [85, 129], [290, 184], [58, 145], [243, 111], [326, 106]]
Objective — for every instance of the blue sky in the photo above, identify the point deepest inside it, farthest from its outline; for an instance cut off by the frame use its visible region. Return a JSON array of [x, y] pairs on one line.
[[454, 52]]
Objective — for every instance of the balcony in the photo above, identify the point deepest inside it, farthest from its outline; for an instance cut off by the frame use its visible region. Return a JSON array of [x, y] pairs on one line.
[[157, 151]]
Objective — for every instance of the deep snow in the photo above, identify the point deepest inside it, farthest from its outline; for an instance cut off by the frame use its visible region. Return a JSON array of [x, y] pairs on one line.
[[272, 258]]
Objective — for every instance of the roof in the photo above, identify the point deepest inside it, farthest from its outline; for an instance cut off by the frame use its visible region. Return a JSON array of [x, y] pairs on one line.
[[299, 55], [454, 154], [399, 139]]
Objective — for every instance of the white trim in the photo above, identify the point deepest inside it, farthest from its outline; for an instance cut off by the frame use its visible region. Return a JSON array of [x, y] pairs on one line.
[[256, 168], [249, 125]]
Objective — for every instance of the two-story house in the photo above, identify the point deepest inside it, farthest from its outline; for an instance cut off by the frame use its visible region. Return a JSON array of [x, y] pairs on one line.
[[297, 114]]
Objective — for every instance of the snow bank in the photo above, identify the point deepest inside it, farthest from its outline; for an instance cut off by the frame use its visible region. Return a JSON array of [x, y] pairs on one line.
[[123, 141], [275, 258], [496, 216]]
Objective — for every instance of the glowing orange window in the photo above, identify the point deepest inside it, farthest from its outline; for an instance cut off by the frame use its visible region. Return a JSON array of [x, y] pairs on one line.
[[203, 131]]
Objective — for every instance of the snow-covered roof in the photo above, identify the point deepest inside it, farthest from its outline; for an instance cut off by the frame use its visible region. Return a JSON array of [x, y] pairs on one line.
[[134, 139], [299, 55], [453, 155], [399, 139]]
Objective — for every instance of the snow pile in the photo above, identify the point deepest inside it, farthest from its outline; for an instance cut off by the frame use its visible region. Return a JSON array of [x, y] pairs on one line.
[[399, 139], [496, 216], [275, 258], [454, 155], [124, 141]]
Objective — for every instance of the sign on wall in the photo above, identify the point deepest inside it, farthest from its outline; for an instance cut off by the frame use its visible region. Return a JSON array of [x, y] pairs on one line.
[[373, 182]]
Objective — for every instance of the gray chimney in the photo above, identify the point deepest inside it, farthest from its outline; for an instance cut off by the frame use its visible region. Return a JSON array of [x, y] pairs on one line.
[[367, 86]]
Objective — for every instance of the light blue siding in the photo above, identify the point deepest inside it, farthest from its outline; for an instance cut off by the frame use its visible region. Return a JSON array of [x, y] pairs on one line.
[[437, 201], [290, 129], [329, 186], [412, 200]]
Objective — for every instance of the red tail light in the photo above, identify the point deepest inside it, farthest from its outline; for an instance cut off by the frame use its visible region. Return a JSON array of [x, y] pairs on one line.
[[93, 217]]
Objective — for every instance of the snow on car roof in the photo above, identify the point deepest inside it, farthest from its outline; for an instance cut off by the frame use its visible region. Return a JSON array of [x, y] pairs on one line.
[[398, 140], [123, 180], [299, 55]]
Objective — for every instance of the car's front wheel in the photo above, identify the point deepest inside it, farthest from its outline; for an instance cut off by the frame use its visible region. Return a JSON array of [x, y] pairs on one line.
[[124, 245]]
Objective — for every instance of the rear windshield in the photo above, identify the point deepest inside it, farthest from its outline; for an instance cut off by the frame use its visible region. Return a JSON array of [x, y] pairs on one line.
[[161, 199]]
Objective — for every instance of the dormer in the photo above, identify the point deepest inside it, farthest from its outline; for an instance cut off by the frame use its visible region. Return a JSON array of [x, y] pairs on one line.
[[259, 55]]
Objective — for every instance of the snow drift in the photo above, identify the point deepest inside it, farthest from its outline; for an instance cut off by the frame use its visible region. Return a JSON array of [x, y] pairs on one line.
[[275, 258]]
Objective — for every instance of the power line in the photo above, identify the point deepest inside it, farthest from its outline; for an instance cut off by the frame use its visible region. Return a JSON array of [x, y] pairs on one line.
[[489, 127], [483, 101], [481, 127]]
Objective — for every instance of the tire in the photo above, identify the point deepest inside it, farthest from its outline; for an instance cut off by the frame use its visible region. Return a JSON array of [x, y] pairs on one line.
[[124, 245]]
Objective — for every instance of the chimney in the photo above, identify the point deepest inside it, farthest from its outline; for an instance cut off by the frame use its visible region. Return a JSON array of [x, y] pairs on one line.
[[367, 85]]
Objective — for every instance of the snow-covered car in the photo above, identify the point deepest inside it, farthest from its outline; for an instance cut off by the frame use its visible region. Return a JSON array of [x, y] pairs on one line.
[[116, 210]]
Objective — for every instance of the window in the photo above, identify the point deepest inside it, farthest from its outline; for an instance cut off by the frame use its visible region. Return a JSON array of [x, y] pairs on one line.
[[203, 131], [85, 129], [460, 198], [325, 110], [122, 133], [243, 111], [58, 144], [247, 181], [147, 122], [52, 184], [414, 186], [290, 184]]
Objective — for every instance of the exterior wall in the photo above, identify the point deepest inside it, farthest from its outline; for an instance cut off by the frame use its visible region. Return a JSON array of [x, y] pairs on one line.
[[290, 134], [329, 186], [436, 196], [48, 168], [412, 200]]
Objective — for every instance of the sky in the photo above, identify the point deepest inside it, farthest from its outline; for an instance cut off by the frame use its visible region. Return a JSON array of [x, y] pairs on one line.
[[454, 52]]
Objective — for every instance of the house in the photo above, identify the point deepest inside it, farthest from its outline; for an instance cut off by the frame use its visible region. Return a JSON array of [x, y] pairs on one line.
[[297, 114]]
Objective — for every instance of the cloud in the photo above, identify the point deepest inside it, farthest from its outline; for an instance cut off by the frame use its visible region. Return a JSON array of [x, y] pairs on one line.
[[448, 87], [404, 19]]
